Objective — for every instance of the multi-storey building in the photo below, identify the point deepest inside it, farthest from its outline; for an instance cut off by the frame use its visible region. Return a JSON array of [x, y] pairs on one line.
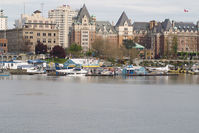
[[3, 21], [3, 46], [63, 17], [83, 29], [106, 31], [140, 33], [35, 21], [163, 33], [29, 30], [124, 28]]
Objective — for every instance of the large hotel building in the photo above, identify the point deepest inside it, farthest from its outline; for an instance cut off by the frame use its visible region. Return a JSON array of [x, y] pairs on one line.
[[155, 36]]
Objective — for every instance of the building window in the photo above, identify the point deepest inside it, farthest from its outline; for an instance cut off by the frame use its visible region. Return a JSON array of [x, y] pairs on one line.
[[44, 34], [44, 40], [85, 35], [31, 37], [31, 32], [54, 34], [4, 44], [38, 34], [49, 40], [26, 37], [49, 34]]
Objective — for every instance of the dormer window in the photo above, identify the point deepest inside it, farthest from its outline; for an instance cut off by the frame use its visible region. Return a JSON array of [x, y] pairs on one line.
[[125, 24], [85, 21]]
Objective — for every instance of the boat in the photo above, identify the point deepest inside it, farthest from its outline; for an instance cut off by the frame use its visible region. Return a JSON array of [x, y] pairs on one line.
[[72, 72], [4, 73], [35, 70], [134, 71]]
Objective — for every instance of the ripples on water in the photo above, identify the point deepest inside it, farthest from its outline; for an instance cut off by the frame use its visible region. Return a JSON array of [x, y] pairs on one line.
[[40, 104]]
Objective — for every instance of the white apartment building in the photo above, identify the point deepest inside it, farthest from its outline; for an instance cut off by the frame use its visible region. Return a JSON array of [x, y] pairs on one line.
[[3, 21], [35, 21], [63, 16]]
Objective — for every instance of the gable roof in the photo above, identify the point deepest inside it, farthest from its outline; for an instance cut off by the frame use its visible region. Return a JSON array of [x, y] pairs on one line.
[[141, 26], [123, 18], [166, 25], [104, 25], [83, 12]]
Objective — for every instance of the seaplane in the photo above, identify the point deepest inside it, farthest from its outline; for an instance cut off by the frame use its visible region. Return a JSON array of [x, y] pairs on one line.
[[159, 69]]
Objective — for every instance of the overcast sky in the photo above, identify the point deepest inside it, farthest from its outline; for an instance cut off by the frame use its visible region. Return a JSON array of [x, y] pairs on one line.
[[137, 10]]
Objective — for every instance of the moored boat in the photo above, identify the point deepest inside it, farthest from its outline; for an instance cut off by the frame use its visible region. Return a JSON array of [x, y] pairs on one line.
[[4, 73], [72, 72]]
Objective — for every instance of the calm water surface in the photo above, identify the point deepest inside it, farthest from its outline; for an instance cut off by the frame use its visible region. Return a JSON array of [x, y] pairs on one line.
[[40, 104]]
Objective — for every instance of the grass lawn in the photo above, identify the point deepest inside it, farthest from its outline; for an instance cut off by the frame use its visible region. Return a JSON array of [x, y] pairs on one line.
[[56, 60]]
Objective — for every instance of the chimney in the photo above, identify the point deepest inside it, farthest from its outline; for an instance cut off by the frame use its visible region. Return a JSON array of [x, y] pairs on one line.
[[130, 21], [113, 23], [173, 23], [152, 24]]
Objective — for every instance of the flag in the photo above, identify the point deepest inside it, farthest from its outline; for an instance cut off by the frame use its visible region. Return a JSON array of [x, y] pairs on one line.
[[185, 10]]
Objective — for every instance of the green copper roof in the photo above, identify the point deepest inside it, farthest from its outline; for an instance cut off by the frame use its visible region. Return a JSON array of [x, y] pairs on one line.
[[138, 46]]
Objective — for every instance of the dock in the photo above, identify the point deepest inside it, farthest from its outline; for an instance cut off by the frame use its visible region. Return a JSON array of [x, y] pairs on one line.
[[153, 74]]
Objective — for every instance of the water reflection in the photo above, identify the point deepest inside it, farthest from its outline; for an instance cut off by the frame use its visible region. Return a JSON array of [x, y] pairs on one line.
[[181, 79], [42, 104]]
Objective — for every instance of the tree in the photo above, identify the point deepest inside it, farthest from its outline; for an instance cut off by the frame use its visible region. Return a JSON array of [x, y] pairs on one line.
[[58, 52], [104, 48], [175, 46], [130, 47], [136, 39], [40, 48], [75, 49], [166, 49], [26, 46], [129, 44]]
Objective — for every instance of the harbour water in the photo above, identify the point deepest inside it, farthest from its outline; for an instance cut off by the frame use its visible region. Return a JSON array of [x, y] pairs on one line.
[[41, 104]]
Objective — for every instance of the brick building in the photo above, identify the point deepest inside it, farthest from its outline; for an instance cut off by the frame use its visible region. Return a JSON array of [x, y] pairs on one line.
[[3, 46], [83, 29]]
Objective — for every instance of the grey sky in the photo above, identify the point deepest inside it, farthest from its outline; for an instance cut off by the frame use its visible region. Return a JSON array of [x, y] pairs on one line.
[[137, 10]]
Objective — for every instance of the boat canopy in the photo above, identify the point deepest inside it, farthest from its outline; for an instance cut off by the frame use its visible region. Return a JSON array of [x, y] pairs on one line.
[[36, 61]]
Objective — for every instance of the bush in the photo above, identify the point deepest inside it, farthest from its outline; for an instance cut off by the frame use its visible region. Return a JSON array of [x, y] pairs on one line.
[[58, 52]]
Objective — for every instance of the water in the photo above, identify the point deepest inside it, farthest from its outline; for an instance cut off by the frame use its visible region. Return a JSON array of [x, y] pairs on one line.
[[40, 104]]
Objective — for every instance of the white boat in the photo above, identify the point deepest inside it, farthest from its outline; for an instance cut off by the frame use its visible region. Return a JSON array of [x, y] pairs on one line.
[[195, 68], [35, 70], [73, 72]]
